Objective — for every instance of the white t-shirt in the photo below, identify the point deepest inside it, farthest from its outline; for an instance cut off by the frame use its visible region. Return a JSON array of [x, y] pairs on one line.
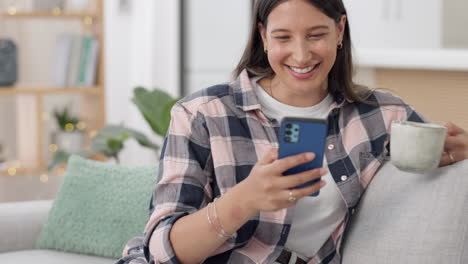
[[315, 218]]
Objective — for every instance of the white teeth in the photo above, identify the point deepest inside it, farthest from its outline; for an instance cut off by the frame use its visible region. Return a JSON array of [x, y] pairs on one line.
[[304, 70]]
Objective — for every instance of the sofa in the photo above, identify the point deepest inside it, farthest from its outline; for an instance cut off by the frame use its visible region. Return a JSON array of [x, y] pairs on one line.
[[402, 218]]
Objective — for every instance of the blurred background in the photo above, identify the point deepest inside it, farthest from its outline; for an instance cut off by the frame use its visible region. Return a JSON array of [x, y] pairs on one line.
[[69, 69]]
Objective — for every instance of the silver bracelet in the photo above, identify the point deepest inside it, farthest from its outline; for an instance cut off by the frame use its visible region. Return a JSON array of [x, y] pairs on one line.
[[223, 232], [219, 232]]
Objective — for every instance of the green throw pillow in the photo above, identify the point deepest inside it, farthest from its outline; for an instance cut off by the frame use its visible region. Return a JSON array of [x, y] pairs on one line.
[[98, 208]]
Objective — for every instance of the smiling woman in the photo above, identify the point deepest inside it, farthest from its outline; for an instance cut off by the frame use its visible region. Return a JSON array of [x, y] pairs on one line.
[[301, 52], [220, 175]]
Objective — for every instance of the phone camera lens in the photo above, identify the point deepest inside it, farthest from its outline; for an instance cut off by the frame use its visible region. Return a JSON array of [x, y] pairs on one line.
[[287, 139], [288, 125], [288, 132]]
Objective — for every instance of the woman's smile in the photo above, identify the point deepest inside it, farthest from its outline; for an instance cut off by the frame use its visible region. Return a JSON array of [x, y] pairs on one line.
[[303, 73]]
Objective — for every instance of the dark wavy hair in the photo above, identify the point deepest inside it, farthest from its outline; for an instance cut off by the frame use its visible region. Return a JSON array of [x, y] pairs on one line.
[[256, 62]]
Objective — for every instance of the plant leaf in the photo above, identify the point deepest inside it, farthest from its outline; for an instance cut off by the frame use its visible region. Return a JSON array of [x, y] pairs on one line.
[[100, 141], [61, 157], [155, 107]]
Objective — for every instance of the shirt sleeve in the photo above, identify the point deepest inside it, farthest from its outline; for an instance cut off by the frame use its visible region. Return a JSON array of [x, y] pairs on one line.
[[414, 116], [184, 186], [133, 252]]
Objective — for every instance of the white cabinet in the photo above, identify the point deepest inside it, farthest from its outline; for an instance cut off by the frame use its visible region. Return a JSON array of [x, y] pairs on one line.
[[395, 23], [412, 34]]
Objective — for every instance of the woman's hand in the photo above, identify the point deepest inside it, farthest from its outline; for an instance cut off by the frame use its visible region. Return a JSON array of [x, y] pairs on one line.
[[266, 189], [456, 145]]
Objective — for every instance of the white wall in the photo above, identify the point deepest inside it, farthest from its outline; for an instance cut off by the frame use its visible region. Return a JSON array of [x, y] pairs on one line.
[[217, 31], [141, 50]]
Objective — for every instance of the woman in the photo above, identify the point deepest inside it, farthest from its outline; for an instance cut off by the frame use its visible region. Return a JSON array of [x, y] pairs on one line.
[[222, 198]]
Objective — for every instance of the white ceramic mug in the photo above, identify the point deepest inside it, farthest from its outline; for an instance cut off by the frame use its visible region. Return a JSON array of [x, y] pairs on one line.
[[416, 147]]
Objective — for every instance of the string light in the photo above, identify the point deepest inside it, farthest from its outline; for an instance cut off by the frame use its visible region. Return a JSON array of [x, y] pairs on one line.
[[45, 116], [60, 170], [12, 10], [44, 178], [56, 11], [69, 127], [53, 148], [92, 133], [12, 171], [88, 20], [66, 143], [81, 125]]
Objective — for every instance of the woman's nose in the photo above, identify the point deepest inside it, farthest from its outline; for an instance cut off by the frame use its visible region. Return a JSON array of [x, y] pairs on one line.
[[301, 53]]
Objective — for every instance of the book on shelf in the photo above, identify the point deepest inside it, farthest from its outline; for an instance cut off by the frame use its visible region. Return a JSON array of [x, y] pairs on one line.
[[91, 66], [75, 61], [60, 61]]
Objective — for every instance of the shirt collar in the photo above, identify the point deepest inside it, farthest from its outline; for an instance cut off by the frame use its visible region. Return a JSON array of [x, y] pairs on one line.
[[244, 93], [246, 99]]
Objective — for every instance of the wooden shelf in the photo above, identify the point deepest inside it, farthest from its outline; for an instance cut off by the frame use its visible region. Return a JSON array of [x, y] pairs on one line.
[[18, 90], [29, 130], [22, 172], [51, 15]]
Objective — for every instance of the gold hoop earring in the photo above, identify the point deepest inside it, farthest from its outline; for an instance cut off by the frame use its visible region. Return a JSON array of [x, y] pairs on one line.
[[340, 46]]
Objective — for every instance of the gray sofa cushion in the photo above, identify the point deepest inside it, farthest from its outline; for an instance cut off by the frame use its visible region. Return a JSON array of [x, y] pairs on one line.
[[50, 257], [21, 223], [411, 218]]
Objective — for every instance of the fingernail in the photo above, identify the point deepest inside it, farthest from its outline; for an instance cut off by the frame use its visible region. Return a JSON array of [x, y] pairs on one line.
[[323, 183], [323, 171], [310, 155]]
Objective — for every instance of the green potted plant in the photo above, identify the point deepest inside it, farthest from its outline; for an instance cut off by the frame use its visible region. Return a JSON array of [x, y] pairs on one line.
[[154, 105], [69, 136]]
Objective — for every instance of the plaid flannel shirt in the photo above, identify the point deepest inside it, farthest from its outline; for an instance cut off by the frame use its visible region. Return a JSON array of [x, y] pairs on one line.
[[215, 138]]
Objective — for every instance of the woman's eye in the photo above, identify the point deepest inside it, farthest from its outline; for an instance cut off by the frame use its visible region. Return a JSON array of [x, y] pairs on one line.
[[317, 35], [282, 37]]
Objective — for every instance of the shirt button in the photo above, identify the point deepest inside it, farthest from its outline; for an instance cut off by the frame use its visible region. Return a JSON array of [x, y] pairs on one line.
[[344, 178], [331, 147]]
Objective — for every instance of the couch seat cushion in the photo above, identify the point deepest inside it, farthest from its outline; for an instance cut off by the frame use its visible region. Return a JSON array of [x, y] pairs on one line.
[[50, 257]]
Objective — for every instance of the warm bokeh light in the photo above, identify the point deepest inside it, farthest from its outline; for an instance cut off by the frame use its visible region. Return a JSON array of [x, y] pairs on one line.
[[69, 127], [56, 11], [12, 10], [12, 171], [88, 20], [66, 143], [60, 170], [92, 133], [81, 125], [44, 178], [45, 116], [53, 148]]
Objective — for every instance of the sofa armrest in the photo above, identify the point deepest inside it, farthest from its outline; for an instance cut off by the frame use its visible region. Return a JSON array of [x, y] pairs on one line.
[[411, 218], [21, 223]]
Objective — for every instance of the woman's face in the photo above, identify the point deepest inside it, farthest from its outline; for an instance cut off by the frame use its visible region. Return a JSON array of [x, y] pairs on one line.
[[301, 44]]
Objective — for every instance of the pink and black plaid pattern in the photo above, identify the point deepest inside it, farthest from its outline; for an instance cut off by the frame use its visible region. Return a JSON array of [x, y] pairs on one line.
[[217, 135]]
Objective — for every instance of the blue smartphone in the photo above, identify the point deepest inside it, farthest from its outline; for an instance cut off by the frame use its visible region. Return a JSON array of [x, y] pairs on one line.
[[300, 135]]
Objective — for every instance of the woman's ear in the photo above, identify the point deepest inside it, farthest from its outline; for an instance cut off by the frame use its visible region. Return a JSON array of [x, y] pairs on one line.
[[262, 31], [341, 28]]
